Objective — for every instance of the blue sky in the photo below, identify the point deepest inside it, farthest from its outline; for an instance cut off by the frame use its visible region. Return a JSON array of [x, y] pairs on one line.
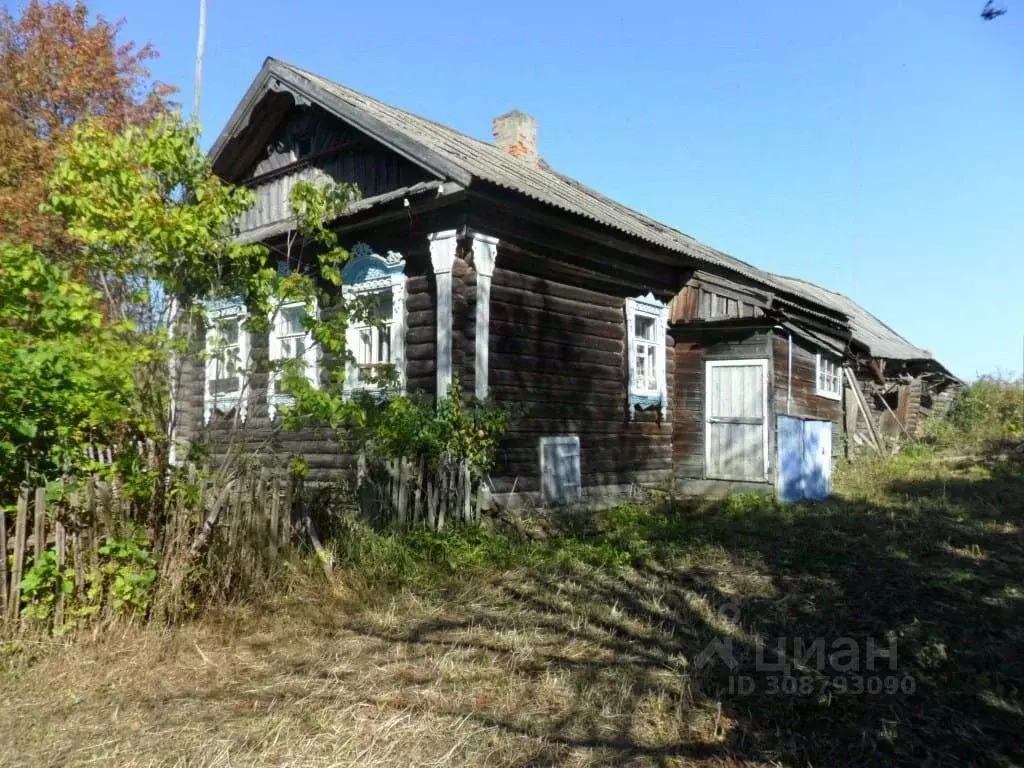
[[872, 147]]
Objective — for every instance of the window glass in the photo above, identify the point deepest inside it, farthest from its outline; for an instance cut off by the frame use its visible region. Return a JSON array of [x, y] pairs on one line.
[[227, 355], [373, 340], [645, 327], [829, 377], [291, 320]]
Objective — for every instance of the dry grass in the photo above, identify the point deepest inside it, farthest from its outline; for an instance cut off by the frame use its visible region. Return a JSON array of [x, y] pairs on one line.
[[319, 679], [583, 665]]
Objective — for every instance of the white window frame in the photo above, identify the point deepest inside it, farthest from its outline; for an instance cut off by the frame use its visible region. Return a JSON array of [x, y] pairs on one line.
[[217, 311], [365, 274], [825, 391], [311, 357], [648, 307], [710, 366]]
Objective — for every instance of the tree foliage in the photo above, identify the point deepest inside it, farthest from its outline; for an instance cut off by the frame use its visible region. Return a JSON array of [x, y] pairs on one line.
[[156, 229], [57, 68], [65, 369], [144, 205]]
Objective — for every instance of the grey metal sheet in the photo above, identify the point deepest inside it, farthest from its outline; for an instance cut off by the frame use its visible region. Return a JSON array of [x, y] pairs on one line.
[[465, 157], [879, 338]]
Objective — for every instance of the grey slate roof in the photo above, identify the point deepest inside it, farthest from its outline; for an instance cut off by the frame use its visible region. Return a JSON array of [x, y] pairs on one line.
[[879, 338], [464, 158], [487, 162]]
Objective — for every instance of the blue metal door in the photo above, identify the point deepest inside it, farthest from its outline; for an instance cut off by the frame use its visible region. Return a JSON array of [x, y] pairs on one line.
[[791, 458], [817, 461], [805, 459]]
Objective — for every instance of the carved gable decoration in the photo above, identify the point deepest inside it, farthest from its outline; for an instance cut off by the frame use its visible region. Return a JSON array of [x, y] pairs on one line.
[[369, 271], [305, 132]]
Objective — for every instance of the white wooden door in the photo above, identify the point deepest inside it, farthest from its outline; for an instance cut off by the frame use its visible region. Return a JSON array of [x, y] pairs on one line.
[[736, 436]]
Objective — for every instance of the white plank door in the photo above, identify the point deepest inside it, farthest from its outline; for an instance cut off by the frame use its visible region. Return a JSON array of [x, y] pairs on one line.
[[736, 437]]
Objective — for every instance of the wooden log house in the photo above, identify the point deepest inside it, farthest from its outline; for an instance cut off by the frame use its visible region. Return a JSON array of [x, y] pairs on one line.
[[634, 355]]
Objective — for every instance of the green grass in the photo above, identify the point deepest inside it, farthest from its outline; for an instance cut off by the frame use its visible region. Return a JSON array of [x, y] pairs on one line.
[[577, 639]]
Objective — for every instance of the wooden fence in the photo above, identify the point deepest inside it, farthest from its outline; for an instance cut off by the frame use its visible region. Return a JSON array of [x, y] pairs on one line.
[[410, 494], [241, 522]]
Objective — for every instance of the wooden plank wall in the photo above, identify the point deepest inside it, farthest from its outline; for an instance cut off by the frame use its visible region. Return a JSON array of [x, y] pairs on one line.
[[557, 360], [904, 400], [688, 404], [689, 392], [804, 402], [699, 302], [336, 152]]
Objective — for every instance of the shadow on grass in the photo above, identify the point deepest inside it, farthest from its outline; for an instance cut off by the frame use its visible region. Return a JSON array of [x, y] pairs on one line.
[[929, 570]]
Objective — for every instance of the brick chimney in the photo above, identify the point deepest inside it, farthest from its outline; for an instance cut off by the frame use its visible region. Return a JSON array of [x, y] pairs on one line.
[[515, 132]]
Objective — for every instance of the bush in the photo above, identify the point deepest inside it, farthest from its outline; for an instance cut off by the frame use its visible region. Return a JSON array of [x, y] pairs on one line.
[[992, 408]]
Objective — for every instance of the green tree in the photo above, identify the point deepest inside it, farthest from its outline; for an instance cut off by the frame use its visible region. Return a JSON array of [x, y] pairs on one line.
[[156, 230], [65, 369]]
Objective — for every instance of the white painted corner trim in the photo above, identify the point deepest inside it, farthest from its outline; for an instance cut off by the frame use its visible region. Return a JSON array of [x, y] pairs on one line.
[[442, 259], [485, 254]]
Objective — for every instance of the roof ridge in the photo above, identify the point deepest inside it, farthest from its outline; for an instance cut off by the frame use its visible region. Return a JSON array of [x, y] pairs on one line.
[[545, 167], [483, 160], [418, 116]]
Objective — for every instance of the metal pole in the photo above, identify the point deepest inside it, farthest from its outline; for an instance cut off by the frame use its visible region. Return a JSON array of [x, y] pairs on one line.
[[200, 49], [789, 375]]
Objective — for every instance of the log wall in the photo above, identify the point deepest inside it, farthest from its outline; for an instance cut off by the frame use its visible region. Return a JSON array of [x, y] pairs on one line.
[[260, 436], [903, 415], [557, 361]]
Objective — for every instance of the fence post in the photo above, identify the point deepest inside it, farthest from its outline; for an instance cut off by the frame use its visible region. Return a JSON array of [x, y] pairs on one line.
[[61, 551], [417, 497], [40, 525], [79, 562], [403, 492], [3, 568], [14, 607], [275, 511], [467, 495], [287, 512]]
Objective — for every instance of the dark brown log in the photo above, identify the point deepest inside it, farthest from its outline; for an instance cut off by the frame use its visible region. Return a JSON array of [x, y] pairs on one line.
[[545, 383], [529, 482], [419, 302], [422, 318], [421, 334], [415, 369], [506, 321], [505, 278], [553, 366], [556, 304], [425, 351], [585, 353]]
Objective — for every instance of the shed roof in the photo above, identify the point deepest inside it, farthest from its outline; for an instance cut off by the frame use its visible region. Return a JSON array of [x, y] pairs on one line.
[[876, 336]]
